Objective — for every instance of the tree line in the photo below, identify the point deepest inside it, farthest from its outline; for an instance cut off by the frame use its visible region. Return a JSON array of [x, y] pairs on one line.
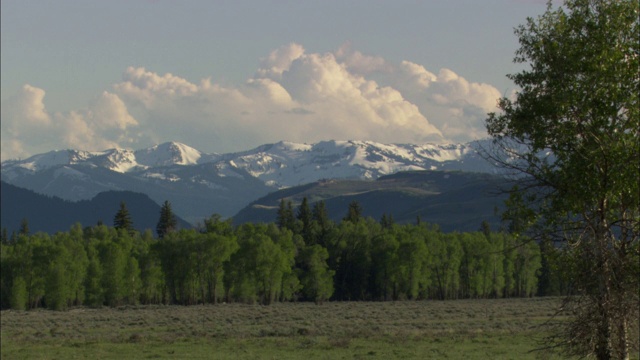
[[303, 256]]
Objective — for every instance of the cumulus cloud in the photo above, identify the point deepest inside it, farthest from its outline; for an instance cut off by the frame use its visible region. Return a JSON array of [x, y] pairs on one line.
[[28, 128], [360, 63], [456, 106], [293, 95], [279, 60]]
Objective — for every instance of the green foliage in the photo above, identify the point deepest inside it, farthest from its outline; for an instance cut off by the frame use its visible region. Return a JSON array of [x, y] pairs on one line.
[[18, 299], [24, 227], [215, 224], [122, 219], [5, 236], [317, 280], [354, 213], [304, 215], [132, 283], [114, 261], [94, 294], [572, 130], [285, 218], [167, 222], [262, 263]]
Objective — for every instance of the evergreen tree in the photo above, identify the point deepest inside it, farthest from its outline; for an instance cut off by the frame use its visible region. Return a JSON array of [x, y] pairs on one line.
[[485, 228], [320, 214], [387, 222], [354, 214], [285, 218], [24, 227], [122, 220], [320, 217], [167, 222], [305, 216]]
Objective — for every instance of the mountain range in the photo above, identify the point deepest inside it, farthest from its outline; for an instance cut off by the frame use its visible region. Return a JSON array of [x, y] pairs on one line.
[[199, 184]]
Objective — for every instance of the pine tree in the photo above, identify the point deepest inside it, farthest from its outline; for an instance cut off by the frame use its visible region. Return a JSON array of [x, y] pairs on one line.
[[486, 229], [320, 214], [24, 227], [167, 222], [285, 219], [320, 217], [122, 220], [387, 222], [354, 213], [304, 215]]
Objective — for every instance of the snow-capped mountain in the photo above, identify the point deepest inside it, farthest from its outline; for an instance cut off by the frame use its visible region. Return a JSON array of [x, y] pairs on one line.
[[200, 184], [119, 160], [288, 164]]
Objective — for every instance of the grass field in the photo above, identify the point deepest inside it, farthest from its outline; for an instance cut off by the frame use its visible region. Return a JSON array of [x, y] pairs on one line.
[[464, 329]]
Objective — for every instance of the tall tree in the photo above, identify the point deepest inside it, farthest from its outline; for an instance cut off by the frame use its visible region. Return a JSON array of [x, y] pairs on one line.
[[354, 213], [318, 279], [305, 216], [5, 236], [122, 219], [24, 227], [167, 222], [285, 218], [573, 132], [320, 216]]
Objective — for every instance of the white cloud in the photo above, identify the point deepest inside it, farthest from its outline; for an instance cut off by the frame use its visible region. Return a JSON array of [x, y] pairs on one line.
[[453, 104], [279, 60], [24, 121], [28, 105], [360, 63], [294, 95], [28, 128]]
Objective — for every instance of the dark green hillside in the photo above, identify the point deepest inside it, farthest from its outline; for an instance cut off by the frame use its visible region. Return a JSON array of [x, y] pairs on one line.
[[457, 201], [52, 214]]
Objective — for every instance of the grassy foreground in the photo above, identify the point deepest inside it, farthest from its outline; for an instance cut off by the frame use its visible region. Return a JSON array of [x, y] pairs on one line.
[[469, 329]]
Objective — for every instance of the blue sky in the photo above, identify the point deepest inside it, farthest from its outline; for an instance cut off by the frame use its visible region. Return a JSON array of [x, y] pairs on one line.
[[229, 75]]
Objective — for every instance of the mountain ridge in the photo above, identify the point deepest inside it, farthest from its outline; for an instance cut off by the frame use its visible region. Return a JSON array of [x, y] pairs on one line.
[[455, 200], [200, 184], [52, 214]]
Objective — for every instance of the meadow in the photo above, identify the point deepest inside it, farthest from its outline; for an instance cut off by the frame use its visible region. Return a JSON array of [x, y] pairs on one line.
[[454, 329]]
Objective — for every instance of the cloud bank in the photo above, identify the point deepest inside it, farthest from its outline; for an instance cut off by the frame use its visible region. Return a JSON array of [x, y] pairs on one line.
[[293, 95]]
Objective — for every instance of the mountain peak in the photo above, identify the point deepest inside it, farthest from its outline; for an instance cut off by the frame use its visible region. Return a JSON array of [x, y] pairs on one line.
[[179, 173], [169, 153]]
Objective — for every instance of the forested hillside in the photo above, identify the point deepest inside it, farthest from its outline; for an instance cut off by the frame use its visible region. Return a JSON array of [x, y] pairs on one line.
[[455, 200], [52, 214]]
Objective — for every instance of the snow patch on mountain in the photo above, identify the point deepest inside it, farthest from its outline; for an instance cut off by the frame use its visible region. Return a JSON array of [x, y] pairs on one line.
[[287, 164], [278, 165], [170, 153]]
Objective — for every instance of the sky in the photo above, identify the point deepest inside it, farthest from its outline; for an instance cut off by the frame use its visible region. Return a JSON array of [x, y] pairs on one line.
[[225, 76]]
